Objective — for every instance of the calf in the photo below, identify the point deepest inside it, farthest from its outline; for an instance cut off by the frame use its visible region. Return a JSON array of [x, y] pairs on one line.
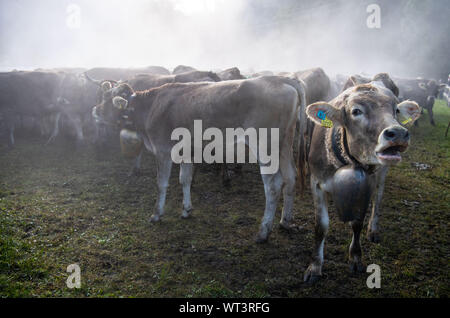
[[357, 134]]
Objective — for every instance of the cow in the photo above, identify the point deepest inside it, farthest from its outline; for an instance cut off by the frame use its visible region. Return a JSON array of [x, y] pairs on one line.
[[264, 102], [405, 119], [26, 94], [182, 69], [422, 91], [230, 74], [357, 134], [76, 95]]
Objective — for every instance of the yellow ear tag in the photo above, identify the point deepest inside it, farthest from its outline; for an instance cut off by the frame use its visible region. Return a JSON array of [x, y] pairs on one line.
[[326, 123], [323, 119], [407, 121]]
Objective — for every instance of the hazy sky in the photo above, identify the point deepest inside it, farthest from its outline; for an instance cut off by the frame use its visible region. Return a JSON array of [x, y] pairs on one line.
[[215, 34]]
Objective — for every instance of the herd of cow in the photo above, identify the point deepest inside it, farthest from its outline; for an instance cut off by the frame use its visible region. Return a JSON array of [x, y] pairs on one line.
[[349, 129]]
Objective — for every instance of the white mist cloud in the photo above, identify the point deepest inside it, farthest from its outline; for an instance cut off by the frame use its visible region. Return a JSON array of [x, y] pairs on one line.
[[260, 35]]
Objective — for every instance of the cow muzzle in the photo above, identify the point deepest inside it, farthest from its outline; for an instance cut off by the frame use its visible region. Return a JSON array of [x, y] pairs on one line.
[[391, 143]]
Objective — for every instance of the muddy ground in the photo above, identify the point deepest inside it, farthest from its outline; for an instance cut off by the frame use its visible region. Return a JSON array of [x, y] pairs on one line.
[[60, 205]]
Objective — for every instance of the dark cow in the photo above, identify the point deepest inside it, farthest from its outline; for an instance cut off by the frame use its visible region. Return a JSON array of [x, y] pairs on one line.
[[27, 94], [406, 117], [263, 102], [231, 74], [76, 95], [422, 91], [182, 69], [357, 134]]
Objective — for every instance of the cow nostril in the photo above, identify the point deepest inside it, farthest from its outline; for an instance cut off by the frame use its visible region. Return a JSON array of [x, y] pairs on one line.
[[389, 134]]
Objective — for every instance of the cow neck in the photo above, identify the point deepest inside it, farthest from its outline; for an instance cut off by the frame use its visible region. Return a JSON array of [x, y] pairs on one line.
[[140, 110], [339, 145]]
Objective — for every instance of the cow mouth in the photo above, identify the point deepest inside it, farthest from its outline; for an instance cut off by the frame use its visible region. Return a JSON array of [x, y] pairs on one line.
[[391, 153]]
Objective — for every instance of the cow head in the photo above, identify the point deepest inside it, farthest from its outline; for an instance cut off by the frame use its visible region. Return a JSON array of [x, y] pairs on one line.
[[430, 87], [113, 103], [370, 116]]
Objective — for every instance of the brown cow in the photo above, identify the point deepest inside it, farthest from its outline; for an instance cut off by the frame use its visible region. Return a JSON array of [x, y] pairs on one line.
[[271, 102], [356, 135]]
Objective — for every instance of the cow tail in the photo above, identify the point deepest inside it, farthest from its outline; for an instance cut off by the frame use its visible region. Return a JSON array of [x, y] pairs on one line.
[[302, 129]]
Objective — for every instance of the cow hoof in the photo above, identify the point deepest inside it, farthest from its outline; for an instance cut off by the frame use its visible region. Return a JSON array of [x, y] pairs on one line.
[[289, 227], [260, 239], [154, 218], [310, 278], [263, 234], [186, 213], [373, 237], [357, 267]]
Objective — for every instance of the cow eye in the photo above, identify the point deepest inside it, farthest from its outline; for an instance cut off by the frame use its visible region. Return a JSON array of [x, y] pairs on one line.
[[356, 112]]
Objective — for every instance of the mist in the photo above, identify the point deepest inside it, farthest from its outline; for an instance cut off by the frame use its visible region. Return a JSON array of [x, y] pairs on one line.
[[288, 35]]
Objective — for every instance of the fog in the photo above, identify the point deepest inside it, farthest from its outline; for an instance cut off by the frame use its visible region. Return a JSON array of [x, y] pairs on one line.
[[254, 35]]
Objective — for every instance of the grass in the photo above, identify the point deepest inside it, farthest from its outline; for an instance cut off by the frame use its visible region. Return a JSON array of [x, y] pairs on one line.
[[60, 205]]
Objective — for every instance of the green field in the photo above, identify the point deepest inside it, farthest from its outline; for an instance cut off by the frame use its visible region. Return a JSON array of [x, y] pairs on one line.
[[61, 205]]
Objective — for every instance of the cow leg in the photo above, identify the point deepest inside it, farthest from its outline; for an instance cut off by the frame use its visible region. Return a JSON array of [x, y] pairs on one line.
[[373, 234], [164, 166], [78, 125], [226, 174], [356, 265], [430, 113], [55, 129], [136, 169], [272, 190], [288, 172], [314, 270], [11, 134], [186, 170]]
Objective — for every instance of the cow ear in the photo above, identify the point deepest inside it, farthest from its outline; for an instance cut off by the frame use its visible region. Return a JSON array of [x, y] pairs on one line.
[[119, 102], [408, 112], [106, 86], [324, 114]]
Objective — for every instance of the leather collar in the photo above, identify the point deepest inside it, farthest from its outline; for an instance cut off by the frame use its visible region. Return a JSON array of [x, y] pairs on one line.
[[342, 153]]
